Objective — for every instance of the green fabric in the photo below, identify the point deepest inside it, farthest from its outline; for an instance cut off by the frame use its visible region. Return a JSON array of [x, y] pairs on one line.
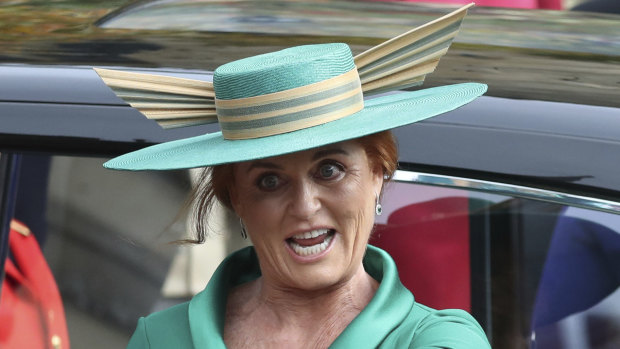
[[281, 70], [391, 320]]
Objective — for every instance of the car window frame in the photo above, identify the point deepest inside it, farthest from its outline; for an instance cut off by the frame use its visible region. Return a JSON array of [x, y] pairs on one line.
[[9, 170]]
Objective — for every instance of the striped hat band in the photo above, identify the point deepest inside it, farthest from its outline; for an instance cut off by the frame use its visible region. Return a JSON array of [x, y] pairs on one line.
[[292, 109]]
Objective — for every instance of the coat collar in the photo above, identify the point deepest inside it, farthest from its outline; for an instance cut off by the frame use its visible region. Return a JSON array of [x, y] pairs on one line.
[[387, 309]]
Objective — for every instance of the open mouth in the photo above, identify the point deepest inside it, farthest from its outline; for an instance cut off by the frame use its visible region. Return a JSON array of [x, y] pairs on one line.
[[311, 242]]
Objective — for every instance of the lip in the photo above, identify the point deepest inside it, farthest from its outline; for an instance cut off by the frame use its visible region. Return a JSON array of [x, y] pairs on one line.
[[301, 231], [312, 258]]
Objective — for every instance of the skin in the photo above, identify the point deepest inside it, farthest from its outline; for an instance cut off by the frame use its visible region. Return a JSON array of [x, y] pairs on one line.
[[303, 302]]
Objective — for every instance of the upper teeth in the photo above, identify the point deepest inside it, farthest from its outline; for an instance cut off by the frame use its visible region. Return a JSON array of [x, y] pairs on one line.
[[310, 234]]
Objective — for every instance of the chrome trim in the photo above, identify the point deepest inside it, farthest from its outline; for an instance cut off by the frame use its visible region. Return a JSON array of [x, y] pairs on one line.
[[508, 189]]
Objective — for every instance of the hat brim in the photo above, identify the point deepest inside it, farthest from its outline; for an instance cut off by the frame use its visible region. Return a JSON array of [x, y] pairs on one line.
[[379, 114]]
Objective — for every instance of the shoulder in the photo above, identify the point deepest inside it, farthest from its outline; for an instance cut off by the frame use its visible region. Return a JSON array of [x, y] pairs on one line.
[[450, 328], [164, 329]]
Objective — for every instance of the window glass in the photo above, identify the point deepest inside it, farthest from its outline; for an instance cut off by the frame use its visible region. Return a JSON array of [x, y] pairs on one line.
[[108, 237], [107, 244], [535, 274]]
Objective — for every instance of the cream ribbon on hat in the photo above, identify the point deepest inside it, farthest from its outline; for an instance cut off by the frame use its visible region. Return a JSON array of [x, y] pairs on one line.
[[291, 110], [401, 62]]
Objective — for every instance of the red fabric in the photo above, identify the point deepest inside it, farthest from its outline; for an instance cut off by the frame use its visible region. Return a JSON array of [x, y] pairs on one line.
[[430, 243], [531, 4], [550, 4], [31, 310]]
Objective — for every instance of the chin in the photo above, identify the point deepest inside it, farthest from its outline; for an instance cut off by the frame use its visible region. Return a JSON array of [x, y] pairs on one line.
[[322, 275], [318, 280]]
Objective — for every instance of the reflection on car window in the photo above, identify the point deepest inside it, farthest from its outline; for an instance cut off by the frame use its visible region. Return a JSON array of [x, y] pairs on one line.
[[107, 244], [108, 241], [578, 296], [553, 270]]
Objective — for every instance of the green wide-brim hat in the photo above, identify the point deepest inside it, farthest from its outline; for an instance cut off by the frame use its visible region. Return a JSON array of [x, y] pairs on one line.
[[294, 99]]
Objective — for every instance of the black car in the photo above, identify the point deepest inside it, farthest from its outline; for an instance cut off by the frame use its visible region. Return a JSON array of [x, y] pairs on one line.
[[508, 207]]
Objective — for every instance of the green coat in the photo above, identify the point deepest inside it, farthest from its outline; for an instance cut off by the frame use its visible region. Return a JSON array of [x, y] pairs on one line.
[[392, 319]]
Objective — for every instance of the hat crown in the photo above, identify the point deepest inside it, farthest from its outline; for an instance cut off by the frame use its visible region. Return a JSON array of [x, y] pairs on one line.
[[282, 70]]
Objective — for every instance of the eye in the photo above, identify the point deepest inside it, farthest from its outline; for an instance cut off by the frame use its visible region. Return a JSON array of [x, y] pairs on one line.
[[330, 171], [269, 182]]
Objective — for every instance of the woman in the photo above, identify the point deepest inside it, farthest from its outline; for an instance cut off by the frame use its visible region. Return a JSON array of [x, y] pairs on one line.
[[302, 160]]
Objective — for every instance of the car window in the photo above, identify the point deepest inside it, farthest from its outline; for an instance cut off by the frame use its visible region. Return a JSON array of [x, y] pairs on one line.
[[506, 257], [534, 273], [106, 241], [109, 236]]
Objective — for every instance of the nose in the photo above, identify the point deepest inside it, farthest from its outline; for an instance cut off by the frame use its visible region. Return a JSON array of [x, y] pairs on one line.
[[304, 202]]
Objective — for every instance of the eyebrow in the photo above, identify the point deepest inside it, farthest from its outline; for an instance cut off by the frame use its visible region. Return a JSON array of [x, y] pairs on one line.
[[329, 151], [263, 164], [318, 155]]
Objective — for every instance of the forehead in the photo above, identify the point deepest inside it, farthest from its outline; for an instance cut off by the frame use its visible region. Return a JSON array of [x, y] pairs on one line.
[[350, 148]]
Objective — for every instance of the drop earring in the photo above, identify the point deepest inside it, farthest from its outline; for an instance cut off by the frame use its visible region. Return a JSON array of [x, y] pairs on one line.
[[378, 208]]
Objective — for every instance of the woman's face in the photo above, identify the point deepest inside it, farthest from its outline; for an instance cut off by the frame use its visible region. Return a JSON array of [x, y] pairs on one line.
[[309, 214]]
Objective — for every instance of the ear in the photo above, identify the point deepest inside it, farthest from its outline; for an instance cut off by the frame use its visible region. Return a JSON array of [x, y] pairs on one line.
[[234, 200], [378, 179], [233, 193]]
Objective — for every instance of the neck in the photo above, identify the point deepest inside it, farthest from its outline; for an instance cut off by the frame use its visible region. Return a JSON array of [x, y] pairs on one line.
[[351, 295], [307, 316]]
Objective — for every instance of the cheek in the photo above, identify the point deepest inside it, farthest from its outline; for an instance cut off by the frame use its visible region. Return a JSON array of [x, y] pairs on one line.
[[355, 203], [261, 215]]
